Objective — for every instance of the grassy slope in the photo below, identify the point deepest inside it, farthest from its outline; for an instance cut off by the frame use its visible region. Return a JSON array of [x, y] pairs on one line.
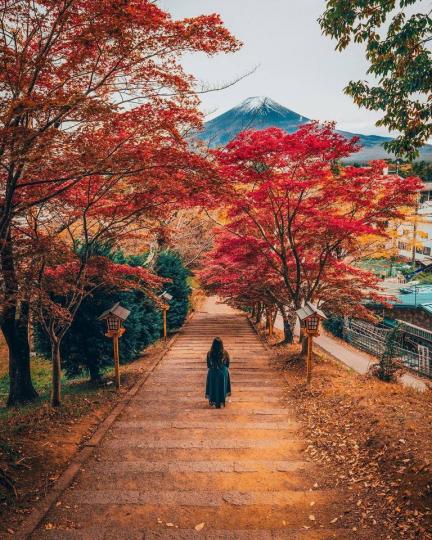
[[41, 376]]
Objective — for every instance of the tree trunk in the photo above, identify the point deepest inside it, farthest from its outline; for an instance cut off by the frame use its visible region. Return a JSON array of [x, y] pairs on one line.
[[273, 316], [56, 372], [287, 327], [14, 325], [268, 321], [304, 343], [259, 313], [94, 371], [21, 389], [253, 314]]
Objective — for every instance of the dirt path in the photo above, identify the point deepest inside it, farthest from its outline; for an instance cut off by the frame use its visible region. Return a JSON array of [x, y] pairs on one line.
[[172, 468]]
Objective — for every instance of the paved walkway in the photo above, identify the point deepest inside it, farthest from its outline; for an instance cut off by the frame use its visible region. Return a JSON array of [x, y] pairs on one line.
[[356, 360], [172, 468]]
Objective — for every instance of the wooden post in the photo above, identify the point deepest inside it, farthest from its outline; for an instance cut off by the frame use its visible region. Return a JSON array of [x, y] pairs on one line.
[[309, 359], [116, 360], [270, 322], [164, 323]]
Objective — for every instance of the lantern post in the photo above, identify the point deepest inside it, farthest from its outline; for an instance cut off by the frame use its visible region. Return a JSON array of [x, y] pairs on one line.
[[310, 317], [165, 307], [115, 317]]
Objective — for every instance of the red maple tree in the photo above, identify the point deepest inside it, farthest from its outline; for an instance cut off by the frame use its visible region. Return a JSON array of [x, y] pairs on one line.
[[294, 208], [89, 89]]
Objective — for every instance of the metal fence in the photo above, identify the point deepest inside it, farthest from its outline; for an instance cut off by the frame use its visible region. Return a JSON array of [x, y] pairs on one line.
[[412, 353]]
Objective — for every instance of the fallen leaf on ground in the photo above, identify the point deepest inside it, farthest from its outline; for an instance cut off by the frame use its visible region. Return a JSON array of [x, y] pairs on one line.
[[199, 527]]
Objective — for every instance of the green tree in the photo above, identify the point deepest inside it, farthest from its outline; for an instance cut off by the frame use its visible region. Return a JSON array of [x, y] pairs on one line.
[[423, 170], [398, 50], [170, 265], [334, 324], [389, 364]]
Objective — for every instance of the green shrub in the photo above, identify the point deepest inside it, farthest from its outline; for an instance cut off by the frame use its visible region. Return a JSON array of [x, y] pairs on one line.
[[85, 348], [169, 264], [334, 325]]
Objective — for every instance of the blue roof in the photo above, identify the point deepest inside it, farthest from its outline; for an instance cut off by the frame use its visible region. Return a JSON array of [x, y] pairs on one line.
[[412, 299]]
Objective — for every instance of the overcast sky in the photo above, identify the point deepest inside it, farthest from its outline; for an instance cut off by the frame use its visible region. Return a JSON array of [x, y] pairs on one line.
[[297, 66]]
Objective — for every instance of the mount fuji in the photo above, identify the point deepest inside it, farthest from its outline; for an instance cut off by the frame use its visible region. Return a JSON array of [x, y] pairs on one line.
[[262, 112]]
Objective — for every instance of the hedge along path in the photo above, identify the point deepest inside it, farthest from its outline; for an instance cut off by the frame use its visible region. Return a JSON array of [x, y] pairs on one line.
[[171, 467]]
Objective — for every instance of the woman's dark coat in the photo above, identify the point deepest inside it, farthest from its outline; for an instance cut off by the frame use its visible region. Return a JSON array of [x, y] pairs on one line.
[[218, 384]]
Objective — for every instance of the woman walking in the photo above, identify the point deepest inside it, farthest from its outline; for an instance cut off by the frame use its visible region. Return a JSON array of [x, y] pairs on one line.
[[218, 384]]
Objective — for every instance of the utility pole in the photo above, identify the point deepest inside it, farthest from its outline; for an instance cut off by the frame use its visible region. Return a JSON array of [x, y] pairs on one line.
[[414, 240]]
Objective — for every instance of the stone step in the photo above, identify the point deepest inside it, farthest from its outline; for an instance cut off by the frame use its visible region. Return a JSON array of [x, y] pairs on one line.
[[133, 437], [173, 424], [264, 392], [190, 388], [192, 397], [198, 498], [173, 533], [213, 443], [241, 370], [87, 513], [201, 481], [200, 410], [295, 451], [240, 366], [227, 466], [194, 383]]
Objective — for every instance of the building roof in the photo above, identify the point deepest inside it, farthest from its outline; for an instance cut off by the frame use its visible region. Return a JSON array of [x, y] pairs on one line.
[[414, 299], [427, 307], [117, 310], [421, 300]]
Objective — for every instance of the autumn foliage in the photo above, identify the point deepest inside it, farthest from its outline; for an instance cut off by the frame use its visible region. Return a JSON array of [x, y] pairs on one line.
[[296, 221], [95, 109]]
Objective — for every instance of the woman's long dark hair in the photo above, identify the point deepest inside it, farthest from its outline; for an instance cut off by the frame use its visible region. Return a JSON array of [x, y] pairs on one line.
[[217, 353]]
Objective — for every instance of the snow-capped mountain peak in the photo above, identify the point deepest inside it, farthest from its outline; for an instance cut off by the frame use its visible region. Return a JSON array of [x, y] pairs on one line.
[[256, 112], [259, 105], [256, 102], [261, 112]]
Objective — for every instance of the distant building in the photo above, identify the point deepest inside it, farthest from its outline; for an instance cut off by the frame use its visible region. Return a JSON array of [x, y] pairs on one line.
[[416, 232], [414, 306]]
